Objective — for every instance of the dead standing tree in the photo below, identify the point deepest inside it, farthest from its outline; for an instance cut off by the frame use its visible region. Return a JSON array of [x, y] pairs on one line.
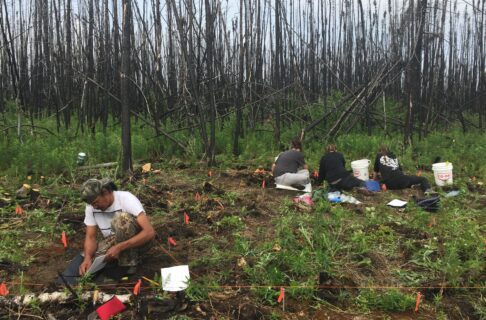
[[188, 72], [210, 80], [125, 86], [277, 64], [415, 75], [189, 58]]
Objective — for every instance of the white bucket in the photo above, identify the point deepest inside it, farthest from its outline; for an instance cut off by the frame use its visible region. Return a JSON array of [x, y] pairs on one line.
[[360, 169], [442, 173]]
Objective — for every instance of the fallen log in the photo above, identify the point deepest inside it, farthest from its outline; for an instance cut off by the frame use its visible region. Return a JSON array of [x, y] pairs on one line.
[[100, 165], [61, 297]]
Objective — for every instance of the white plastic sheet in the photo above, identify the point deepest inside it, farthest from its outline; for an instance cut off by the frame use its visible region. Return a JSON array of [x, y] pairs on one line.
[[175, 278]]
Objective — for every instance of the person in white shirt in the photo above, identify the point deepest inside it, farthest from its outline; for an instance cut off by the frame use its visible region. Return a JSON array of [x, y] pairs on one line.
[[120, 216]]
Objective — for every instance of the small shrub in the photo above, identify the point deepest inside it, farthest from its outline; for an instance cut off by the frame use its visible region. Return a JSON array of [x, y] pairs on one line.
[[391, 300]]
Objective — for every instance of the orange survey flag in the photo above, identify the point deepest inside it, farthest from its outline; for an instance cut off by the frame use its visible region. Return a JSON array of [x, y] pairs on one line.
[[316, 174], [136, 289], [417, 302], [172, 241], [3, 289], [282, 295], [186, 218], [64, 239], [19, 210]]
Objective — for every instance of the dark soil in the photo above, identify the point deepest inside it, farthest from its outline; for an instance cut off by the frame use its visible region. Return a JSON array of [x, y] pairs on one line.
[[225, 194]]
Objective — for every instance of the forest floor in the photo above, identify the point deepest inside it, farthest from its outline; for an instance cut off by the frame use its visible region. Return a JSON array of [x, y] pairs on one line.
[[243, 242]]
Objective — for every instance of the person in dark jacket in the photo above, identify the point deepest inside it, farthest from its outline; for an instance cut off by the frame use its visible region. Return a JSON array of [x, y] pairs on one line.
[[387, 165], [332, 169]]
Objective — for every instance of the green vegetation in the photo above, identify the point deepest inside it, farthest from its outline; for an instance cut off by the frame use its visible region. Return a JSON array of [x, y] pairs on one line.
[[391, 300], [50, 152], [376, 259]]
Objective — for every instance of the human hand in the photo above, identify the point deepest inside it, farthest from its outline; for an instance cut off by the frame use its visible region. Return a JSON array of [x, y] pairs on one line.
[[112, 253], [85, 266]]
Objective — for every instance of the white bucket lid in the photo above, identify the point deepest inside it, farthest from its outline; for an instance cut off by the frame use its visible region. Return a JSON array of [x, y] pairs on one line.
[[361, 162], [175, 278], [442, 165]]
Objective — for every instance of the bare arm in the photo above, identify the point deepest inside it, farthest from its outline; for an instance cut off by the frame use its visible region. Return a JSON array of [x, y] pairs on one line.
[[145, 235], [90, 246]]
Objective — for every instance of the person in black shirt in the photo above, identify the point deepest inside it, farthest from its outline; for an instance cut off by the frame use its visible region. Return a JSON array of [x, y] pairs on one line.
[[290, 168], [386, 163], [332, 169]]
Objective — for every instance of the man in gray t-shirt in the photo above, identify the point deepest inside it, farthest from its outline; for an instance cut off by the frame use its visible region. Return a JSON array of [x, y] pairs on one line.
[[290, 168]]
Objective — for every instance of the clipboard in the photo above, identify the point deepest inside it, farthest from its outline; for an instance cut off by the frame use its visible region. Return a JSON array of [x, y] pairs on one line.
[[98, 264]]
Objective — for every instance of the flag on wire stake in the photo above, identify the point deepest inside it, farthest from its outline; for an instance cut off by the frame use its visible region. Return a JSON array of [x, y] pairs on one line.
[[64, 239], [186, 218], [417, 302], [316, 174], [281, 298], [3, 289], [136, 288], [171, 242], [19, 210]]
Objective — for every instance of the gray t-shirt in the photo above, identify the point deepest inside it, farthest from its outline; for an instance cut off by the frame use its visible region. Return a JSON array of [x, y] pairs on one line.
[[288, 162]]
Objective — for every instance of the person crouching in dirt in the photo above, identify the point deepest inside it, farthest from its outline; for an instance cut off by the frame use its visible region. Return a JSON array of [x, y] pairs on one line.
[[122, 220], [332, 169], [387, 165], [290, 168]]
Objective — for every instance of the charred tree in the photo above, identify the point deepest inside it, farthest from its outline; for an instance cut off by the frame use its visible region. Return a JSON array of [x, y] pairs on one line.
[[125, 73]]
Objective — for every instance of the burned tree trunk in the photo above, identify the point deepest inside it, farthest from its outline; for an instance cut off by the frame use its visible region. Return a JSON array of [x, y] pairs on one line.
[[416, 70], [125, 87], [276, 69], [209, 66], [239, 94]]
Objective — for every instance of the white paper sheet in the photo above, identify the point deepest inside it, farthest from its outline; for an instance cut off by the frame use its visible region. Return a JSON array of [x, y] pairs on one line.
[[397, 203], [175, 278], [98, 264]]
